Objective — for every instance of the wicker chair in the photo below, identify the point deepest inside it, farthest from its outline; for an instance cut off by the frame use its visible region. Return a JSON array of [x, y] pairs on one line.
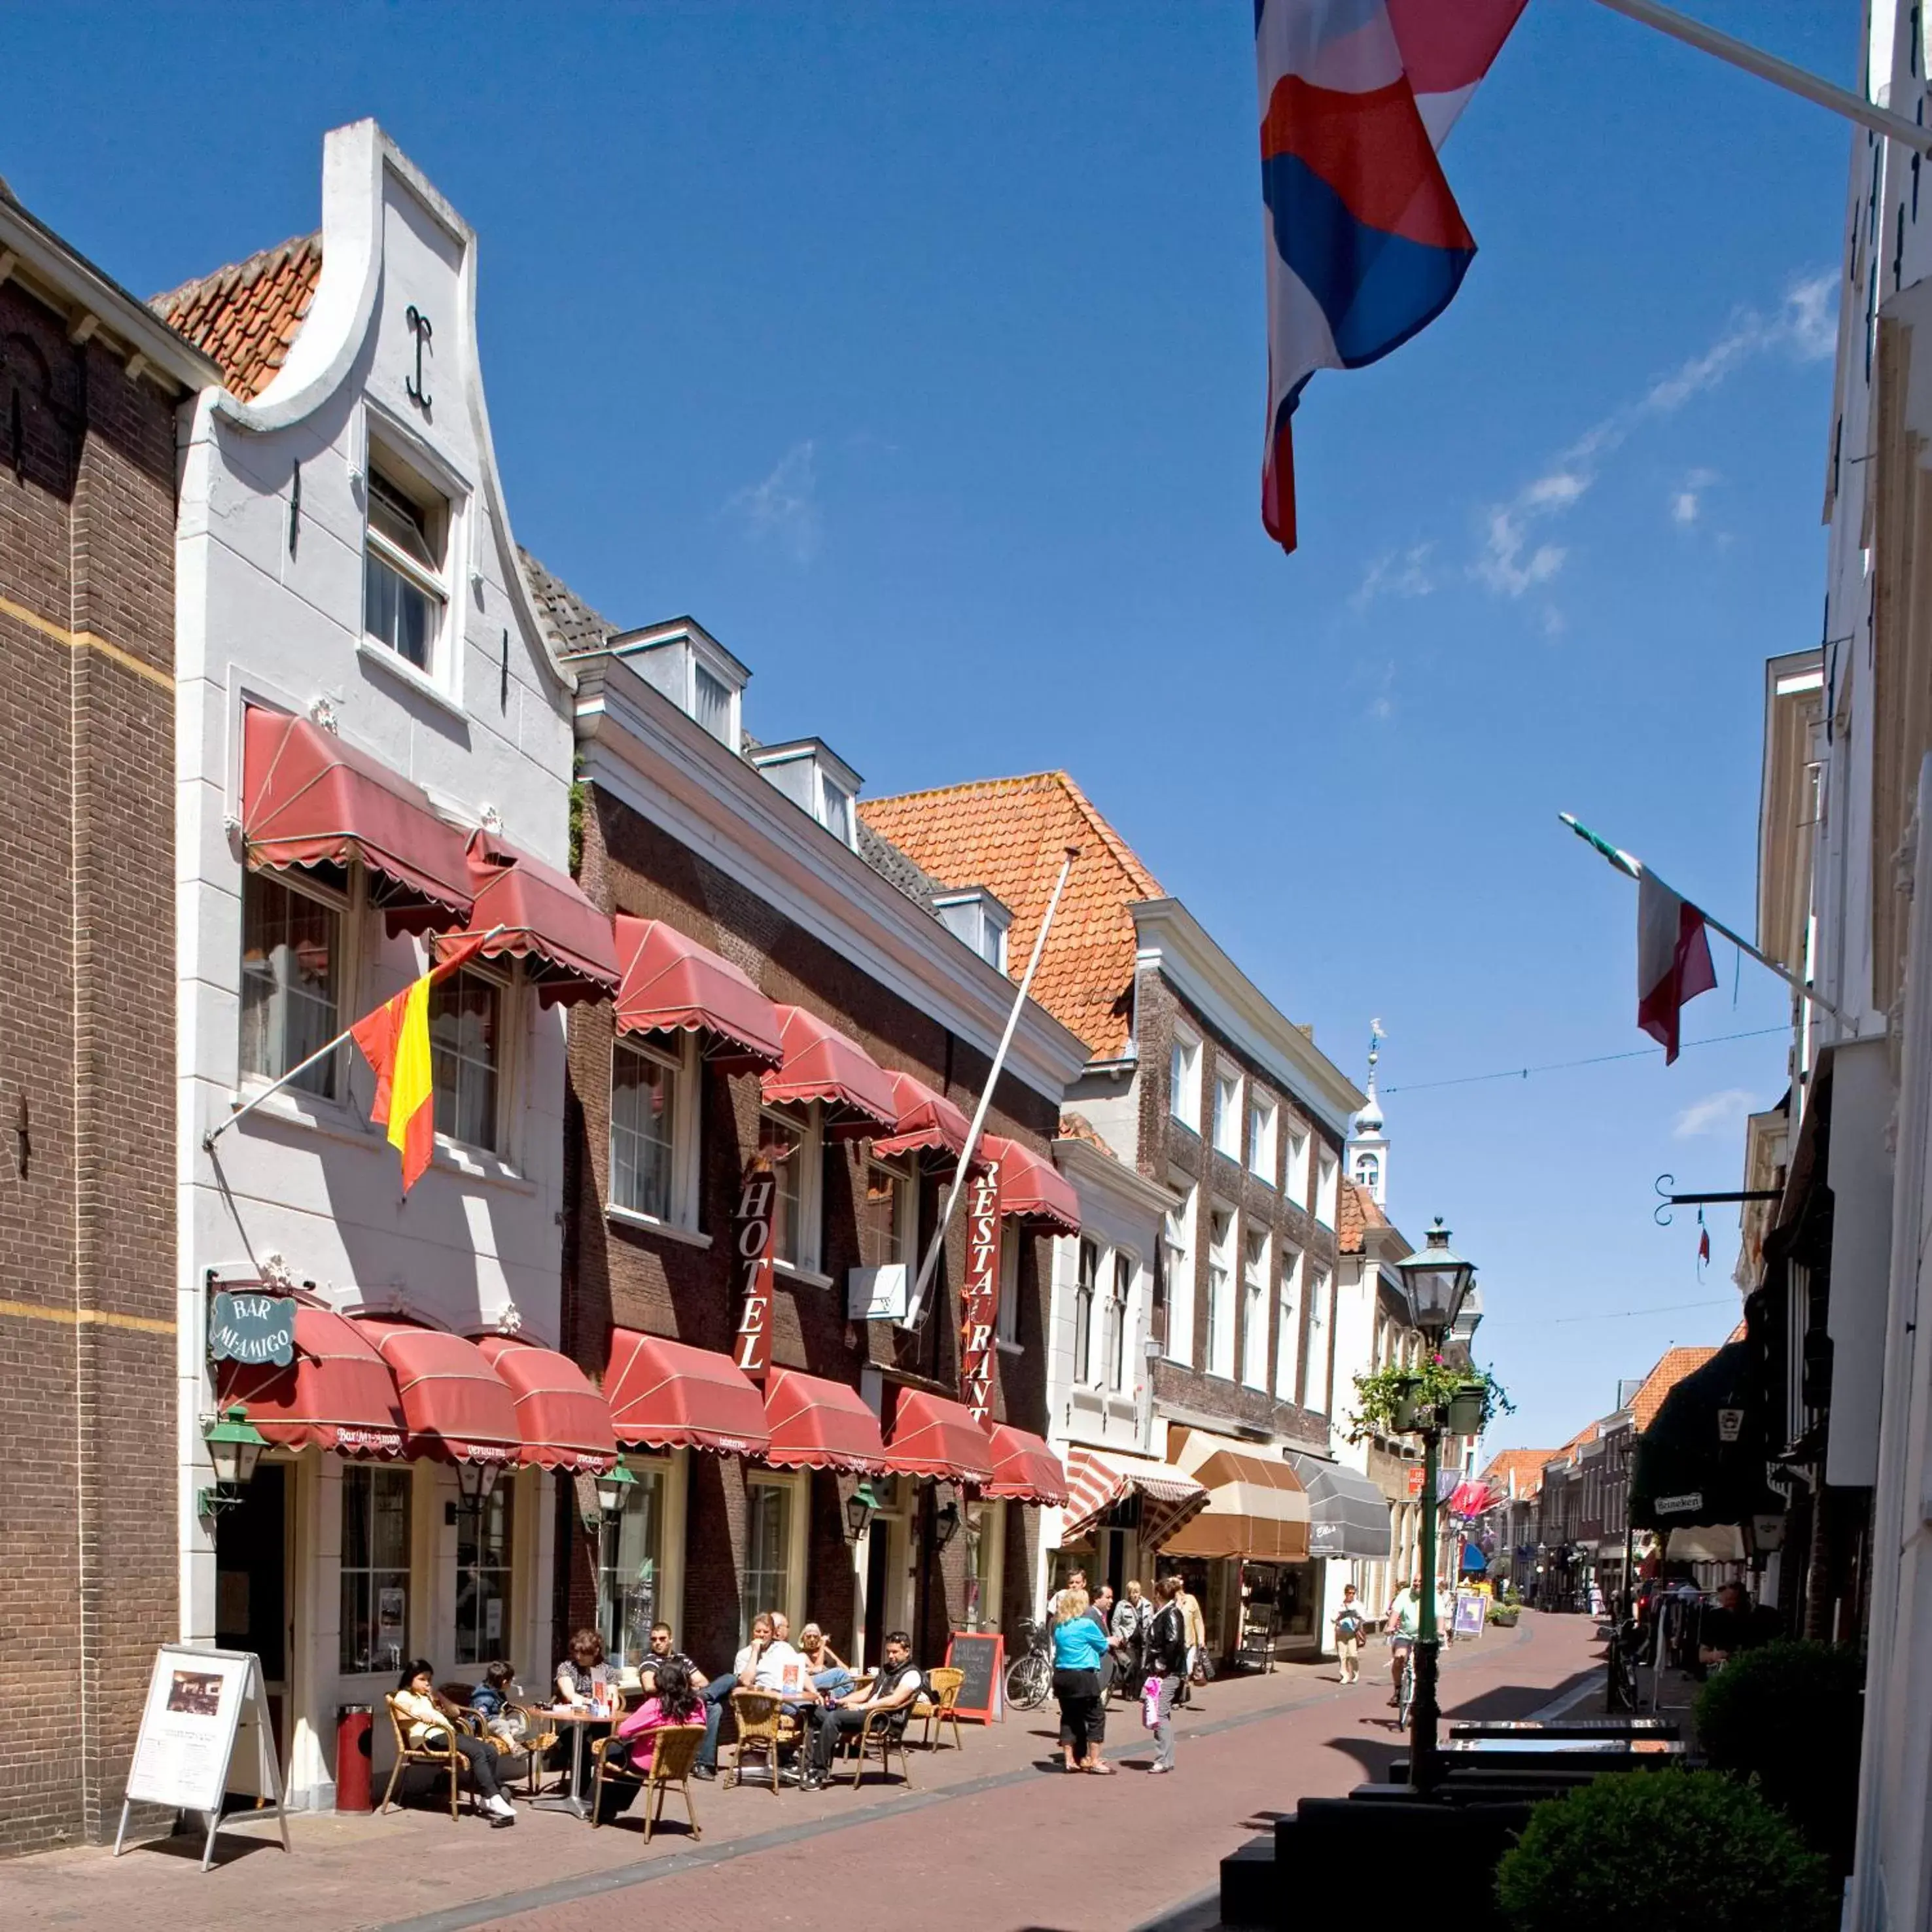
[[763, 1727], [674, 1754], [447, 1758], [883, 1732], [939, 1703]]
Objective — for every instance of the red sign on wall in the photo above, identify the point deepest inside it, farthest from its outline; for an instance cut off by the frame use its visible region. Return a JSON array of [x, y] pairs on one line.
[[979, 1294], [1414, 1483], [752, 1250]]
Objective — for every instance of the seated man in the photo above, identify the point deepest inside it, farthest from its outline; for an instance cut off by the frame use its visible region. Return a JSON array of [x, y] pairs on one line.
[[776, 1665], [718, 1691], [894, 1689], [662, 1651]]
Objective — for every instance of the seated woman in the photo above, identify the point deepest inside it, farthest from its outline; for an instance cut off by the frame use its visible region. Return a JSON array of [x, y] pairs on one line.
[[674, 1701], [429, 1722], [583, 1679], [830, 1674]]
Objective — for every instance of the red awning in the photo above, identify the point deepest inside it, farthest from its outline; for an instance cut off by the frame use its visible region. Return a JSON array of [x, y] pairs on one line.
[[820, 1425], [667, 1395], [1031, 1188], [820, 1063], [923, 1119], [669, 982], [1025, 1469], [565, 1423], [336, 1393], [309, 799], [932, 1436], [563, 940], [455, 1406]]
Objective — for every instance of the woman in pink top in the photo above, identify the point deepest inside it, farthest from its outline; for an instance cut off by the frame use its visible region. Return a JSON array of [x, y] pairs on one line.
[[673, 1702]]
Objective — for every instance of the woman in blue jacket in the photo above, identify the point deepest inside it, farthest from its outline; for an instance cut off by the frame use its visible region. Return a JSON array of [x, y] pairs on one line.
[[1079, 1648]]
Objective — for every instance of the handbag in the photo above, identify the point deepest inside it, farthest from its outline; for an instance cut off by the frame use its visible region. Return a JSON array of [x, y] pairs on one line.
[[1151, 1703], [1203, 1672]]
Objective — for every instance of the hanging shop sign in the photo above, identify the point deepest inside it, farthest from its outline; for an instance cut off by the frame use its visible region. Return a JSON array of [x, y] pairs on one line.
[[1730, 1424], [253, 1327], [752, 1227], [979, 1294]]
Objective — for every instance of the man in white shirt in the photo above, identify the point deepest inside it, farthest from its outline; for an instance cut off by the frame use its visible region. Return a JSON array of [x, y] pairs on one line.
[[718, 1691], [773, 1663]]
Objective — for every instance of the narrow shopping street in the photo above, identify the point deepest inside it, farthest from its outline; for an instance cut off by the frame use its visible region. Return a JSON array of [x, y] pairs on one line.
[[1036, 1848]]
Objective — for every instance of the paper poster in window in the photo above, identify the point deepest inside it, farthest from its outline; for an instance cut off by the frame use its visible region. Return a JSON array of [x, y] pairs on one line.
[[493, 1620], [391, 1610]]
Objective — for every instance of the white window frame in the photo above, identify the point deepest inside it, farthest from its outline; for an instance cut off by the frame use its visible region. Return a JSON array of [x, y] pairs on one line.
[[1327, 1187], [1229, 1090], [1183, 1095], [348, 907], [1254, 1309], [1368, 1170], [407, 478], [1119, 1325], [1319, 1378], [509, 1063], [810, 1154], [1294, 1181], [1223, 1315], [678, 1052], [795, 1483], [904, 1169], [1264, 1120], [1287, 1327], [1178, 1232], [1082, 1302]]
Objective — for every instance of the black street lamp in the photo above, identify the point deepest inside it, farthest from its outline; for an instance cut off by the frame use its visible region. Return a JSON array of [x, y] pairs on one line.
[[1435, 1284]]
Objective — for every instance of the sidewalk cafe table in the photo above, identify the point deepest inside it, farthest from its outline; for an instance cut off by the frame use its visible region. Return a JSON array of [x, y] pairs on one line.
[[580, 1723]]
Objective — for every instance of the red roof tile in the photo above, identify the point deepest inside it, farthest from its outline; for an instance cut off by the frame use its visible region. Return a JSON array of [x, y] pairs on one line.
[[1671, 1369], [1079, 1127], [1357, 1211], [1007, 835], [1525, 1465], [245, 317]]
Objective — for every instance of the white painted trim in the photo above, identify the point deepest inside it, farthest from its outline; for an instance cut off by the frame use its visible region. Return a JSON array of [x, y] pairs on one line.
[[646, 1224]]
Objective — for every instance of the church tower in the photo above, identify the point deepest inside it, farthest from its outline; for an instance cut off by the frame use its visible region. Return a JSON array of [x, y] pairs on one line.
[[1367, 1151]]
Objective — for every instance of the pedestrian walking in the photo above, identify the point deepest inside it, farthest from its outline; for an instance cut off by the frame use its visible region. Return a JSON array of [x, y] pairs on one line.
[[1165, 1652], [1350, 1621], [1079, 1646], [1132, 1616]]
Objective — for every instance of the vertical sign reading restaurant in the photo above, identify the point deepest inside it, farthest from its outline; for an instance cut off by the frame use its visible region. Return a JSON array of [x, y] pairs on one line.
[[752, 1250], [979, 1295]]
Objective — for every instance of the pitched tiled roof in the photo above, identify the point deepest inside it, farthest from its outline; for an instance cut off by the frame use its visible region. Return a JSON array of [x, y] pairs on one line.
[[1008, 835], [1524, 1466], [244, 318], [1357, 1211], [1675, 1364], [1078, 1127]]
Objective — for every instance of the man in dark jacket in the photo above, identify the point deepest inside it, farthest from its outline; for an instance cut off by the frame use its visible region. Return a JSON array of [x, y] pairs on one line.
[[1167, 1659]]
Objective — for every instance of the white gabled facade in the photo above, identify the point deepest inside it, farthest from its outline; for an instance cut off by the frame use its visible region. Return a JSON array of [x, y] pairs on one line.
[[377, 418]]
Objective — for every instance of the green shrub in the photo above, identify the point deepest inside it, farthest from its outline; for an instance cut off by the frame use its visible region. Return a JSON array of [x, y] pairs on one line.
[[1787, 1717], [1663, 1851]]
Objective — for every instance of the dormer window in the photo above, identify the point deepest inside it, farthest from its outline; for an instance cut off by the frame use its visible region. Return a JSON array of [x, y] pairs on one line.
[[693, 670], [404, 592], [817, 780], [978, 918]]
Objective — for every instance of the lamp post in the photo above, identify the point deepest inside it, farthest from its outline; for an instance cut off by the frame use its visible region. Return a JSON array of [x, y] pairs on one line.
[[1435, 1284]]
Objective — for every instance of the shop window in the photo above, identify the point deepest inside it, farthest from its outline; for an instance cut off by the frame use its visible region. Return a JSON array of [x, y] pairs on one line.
[[465, 1043], [653, 1131], [793, 1144], [1117, 1321], [375, 1631], [403, 587], [1220, 1292], [1178, 1240], [773, 1556], [985, 1564], [630, 1571], [1088, 1272], [1254, 1309], [291, 963], [483, 1532]]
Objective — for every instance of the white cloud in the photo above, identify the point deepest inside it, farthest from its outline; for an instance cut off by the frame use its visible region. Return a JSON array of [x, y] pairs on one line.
[[1716, 1114], [783, 508], [1687, 499], [1397, 574]]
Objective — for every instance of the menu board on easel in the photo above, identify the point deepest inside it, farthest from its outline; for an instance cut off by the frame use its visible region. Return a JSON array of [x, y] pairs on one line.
[[200, 1700], [980, 1655]]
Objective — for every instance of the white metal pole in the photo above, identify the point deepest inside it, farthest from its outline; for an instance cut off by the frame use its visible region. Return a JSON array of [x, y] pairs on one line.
[[1780, 72], [916, 1306]]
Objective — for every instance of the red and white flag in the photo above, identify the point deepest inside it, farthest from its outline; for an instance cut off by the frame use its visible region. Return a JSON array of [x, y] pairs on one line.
[[1673, 960]]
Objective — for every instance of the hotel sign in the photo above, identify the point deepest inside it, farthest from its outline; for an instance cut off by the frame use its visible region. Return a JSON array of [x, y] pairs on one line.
[[979, 1294], [752, 1261], [253, 1328]]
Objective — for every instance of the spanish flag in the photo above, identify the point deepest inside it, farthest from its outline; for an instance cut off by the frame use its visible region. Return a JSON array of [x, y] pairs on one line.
[[394, 1040]]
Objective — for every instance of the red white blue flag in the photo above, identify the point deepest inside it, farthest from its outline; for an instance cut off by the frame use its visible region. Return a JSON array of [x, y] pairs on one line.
[[1366, 244]]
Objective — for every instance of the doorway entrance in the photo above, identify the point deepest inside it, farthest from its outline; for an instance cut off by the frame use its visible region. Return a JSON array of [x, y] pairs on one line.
[[251, 1583]]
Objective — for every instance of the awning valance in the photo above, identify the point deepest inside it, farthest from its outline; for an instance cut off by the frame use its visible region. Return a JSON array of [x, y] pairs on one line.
[[821, 1063], [933, 1436], [668, 1395], [564, 941], [923, 1119], [816, 1424], [565, 1423], [337, 1393], [1257, 1509], [1024, 1469], [455, 1406], [1169, 1496], [1347, 1514], [307, 799], [669, 983], [1031, 1188]]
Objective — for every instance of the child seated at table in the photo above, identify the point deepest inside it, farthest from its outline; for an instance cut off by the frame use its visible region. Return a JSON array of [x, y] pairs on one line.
[[490, 1701]]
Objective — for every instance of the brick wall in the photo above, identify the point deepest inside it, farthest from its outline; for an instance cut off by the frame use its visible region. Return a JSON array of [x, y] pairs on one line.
[[87, 1250], [614, 1273]]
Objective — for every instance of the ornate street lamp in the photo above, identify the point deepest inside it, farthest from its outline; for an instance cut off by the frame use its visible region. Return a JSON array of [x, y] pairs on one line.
[[945, 1524], [474, 1481], [613, 1488], [1434, 1285], [860, 1507], [234, 1446]]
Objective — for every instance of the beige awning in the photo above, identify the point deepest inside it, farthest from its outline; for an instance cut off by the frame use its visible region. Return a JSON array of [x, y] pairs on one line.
[[1257, 1509]]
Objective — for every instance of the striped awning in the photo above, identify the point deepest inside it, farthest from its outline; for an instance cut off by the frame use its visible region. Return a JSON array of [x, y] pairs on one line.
[[1098, 1481]]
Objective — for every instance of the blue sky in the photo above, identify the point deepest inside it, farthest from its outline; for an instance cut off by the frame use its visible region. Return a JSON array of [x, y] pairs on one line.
[[918, 351]]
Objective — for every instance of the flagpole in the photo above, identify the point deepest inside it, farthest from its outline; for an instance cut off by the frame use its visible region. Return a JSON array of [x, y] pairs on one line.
[[1783, 73], [1634, 867], [916, 1304], [301, 1067]]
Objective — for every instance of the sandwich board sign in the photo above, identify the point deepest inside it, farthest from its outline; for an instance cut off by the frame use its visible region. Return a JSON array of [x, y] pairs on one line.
[[199, 1701]]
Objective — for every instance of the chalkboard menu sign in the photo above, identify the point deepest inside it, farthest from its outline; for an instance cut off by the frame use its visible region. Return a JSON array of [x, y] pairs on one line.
[[982, 1655]]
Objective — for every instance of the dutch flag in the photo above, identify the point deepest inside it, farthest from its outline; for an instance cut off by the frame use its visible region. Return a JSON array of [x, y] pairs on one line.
[[1365, 243]]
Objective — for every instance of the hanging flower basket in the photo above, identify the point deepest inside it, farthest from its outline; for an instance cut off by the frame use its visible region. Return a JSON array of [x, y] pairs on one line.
[[1467, 1409]]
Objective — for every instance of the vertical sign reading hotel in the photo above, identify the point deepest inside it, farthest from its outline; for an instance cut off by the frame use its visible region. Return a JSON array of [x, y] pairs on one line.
[[757, 1202], [979, 1295]]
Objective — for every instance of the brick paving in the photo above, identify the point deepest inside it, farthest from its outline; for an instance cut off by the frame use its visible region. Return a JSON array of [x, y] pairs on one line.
[[1031, 1849]]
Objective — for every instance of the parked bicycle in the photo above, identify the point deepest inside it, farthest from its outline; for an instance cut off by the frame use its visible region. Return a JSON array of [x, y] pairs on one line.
[[1030, 1676]]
